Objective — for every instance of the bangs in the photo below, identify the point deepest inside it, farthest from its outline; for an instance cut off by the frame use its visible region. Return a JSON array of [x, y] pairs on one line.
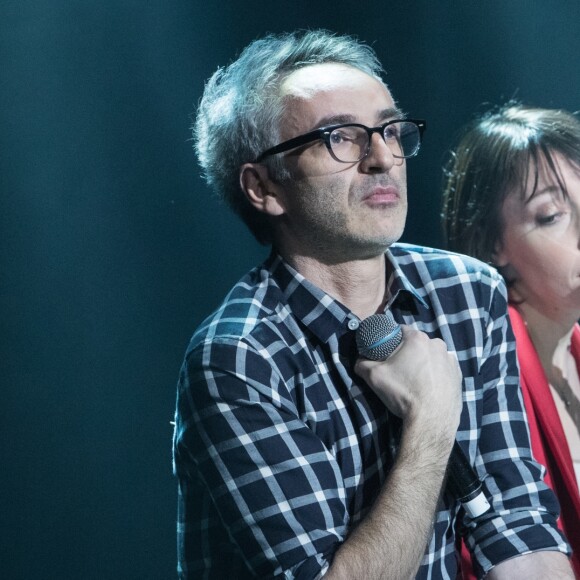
[[543, 161]]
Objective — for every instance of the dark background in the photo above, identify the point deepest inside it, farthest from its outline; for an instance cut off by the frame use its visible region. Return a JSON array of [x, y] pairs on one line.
[[113, 250]]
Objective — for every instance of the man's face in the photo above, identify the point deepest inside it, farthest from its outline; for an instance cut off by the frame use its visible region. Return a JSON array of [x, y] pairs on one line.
[[339, 211]]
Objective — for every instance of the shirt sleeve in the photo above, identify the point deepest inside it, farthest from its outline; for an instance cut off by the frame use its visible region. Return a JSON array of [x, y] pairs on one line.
[[277, 489], [524, 510]]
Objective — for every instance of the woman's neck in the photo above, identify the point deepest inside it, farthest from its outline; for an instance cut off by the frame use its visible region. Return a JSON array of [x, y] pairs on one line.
[[546, 333]]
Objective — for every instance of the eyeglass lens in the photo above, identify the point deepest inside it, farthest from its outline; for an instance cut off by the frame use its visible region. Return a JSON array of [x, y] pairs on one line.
[[351, 143]]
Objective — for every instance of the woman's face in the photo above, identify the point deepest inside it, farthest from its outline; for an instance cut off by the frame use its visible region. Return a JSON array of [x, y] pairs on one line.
[[540, 249]]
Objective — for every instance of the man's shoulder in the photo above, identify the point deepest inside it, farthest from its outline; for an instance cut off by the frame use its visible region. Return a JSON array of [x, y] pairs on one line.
[[439, 263], [254, 299]]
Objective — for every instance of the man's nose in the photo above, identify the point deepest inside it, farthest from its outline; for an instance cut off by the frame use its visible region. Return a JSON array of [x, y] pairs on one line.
[[380, 157]]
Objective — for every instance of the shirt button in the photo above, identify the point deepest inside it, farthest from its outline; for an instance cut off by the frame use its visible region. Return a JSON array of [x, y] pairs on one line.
[[353, 324]]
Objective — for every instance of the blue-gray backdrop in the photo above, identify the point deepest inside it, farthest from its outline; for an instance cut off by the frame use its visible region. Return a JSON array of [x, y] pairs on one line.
[[112, 248]]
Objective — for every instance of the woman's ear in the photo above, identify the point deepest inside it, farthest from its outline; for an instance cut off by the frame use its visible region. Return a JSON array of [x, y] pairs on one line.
[[265, 195], [498, 256], [500, 259]]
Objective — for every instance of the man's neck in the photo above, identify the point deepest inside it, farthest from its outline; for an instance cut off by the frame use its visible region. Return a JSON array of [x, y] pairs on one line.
[[358, 284]]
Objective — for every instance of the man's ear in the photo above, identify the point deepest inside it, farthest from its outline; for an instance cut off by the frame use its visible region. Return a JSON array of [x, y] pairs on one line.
[[261, 191]]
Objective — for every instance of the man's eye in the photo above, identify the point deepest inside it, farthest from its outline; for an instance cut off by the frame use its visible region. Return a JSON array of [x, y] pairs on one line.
[[340, 136], [348, 133], [336, 137]]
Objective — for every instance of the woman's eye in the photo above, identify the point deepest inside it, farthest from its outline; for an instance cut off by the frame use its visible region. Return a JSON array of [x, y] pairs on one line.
[[551, 213], [545, 220]]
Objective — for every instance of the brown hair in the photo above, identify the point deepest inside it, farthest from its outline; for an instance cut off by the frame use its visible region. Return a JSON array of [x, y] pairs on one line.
[[493, 158]]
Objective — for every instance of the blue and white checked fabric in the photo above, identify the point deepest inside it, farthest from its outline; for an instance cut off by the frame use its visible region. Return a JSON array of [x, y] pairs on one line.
[[280, 449]]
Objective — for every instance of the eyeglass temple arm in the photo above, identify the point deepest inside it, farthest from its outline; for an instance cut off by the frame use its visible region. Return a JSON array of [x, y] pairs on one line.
[[291, 144]]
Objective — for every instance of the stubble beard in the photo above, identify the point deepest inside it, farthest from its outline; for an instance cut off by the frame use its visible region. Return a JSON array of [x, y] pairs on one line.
[[333, 234]]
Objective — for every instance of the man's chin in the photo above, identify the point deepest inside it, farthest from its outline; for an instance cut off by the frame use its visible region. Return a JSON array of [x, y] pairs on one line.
[[368, 249]]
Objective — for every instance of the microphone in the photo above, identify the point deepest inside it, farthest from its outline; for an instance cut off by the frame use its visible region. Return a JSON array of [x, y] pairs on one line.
[[377, 338]]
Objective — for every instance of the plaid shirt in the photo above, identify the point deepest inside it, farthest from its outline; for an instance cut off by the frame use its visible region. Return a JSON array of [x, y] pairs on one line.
[[280, 448]]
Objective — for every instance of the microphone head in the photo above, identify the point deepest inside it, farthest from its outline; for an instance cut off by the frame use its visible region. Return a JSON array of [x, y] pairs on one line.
[[378, 336]]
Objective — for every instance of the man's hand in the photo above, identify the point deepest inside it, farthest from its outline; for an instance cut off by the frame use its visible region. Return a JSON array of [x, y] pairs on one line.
[[420, 381]]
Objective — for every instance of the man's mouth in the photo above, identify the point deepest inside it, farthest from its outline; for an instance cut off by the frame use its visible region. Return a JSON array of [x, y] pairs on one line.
[[383, 195]]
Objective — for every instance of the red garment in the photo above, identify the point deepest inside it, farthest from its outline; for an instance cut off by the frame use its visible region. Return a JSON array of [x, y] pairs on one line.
[[549, 445]]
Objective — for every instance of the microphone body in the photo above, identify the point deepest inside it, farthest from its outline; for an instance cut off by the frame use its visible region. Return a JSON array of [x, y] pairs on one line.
[[377, 338]]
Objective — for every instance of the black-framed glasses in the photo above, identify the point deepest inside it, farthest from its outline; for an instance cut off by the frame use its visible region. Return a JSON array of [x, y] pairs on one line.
[[351, 142]]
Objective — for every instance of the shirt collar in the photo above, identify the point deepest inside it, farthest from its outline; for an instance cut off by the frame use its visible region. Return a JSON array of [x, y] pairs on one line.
[[319, 312], [325, 316], [399, 288]]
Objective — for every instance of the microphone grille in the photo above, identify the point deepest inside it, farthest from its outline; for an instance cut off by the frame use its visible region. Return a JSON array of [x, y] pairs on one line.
[[378, 336]]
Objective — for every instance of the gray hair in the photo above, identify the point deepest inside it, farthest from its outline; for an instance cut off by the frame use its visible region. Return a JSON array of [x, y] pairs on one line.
[[239, 113]]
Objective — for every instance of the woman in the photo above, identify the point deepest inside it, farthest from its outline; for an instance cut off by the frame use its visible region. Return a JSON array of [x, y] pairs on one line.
[[512, 198]]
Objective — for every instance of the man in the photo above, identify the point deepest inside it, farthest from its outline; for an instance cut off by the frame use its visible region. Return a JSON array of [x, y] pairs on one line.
[[295, 457]]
